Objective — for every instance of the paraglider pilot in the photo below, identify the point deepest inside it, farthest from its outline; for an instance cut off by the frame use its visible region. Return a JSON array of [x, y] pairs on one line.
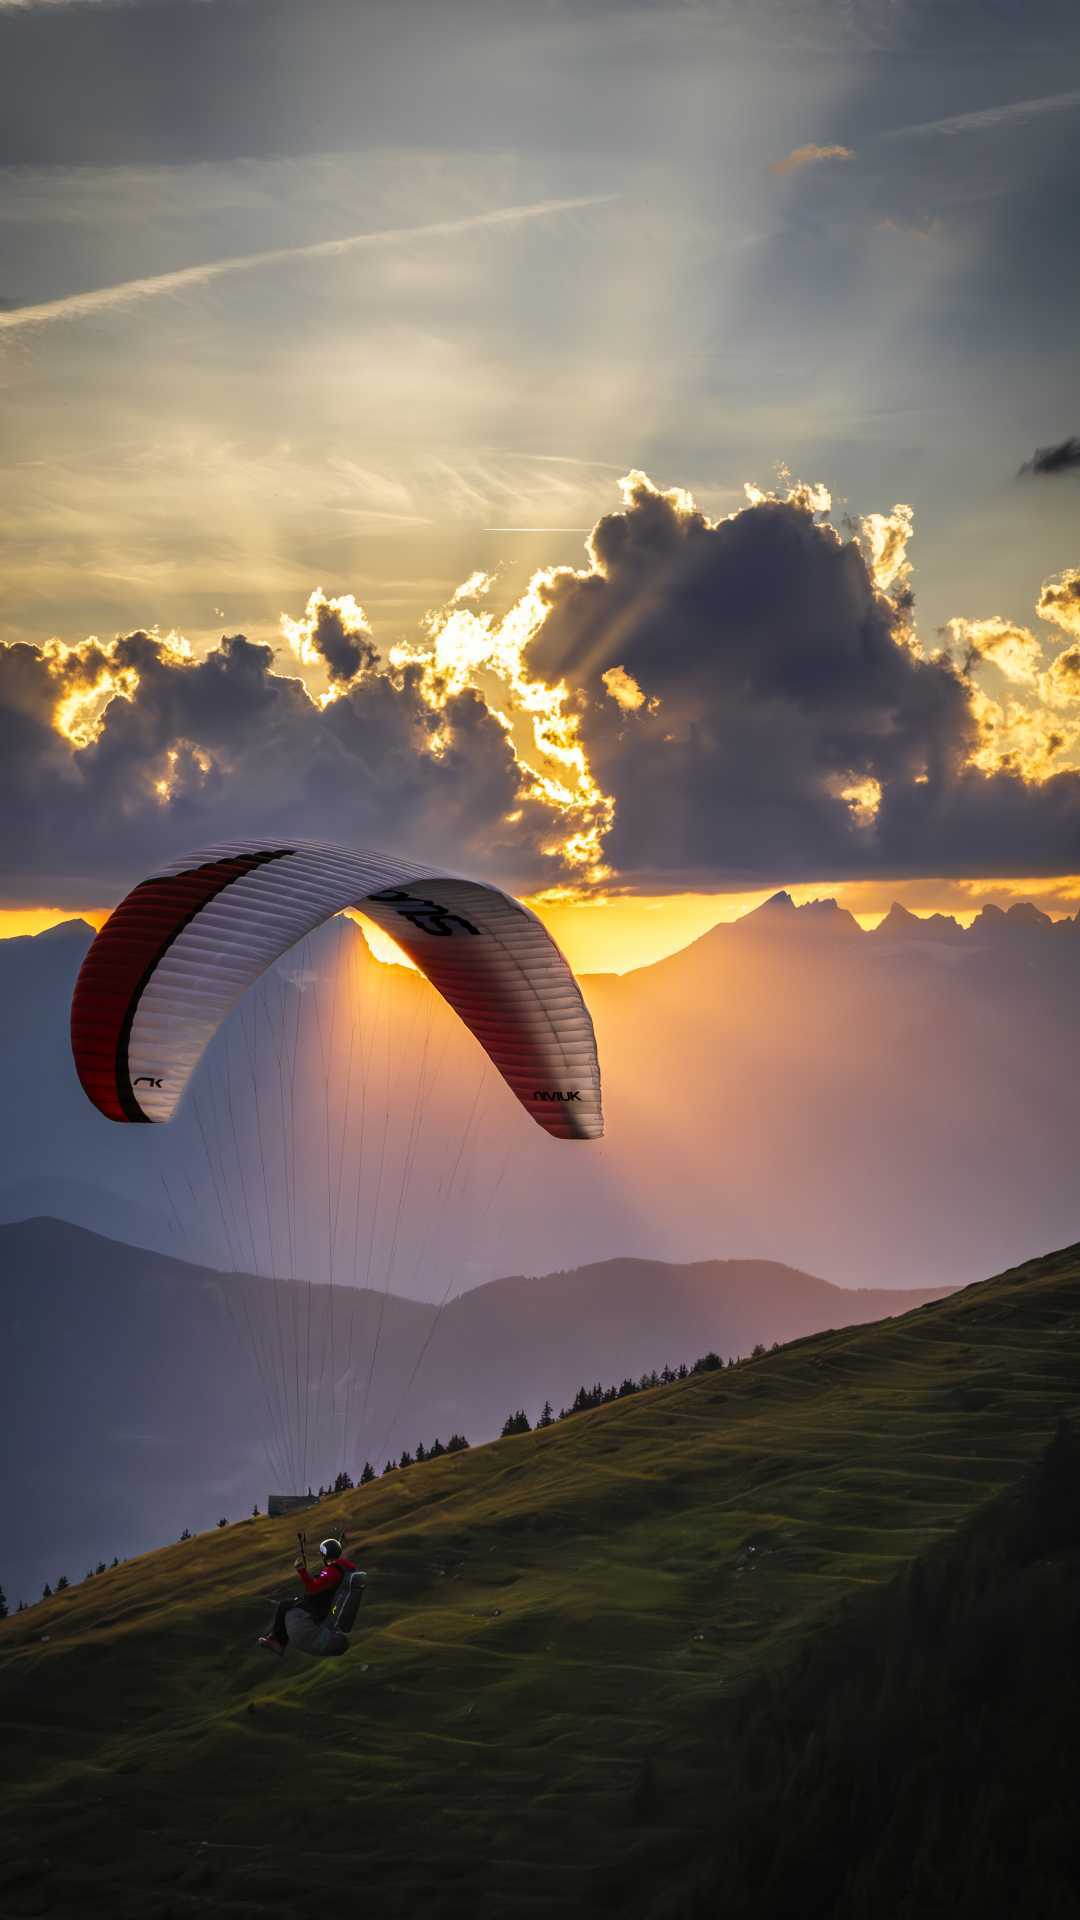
[[301, 1620]]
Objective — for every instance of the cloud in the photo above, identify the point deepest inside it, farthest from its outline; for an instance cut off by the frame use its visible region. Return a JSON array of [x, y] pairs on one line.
[[116, 755], [76, 306], [1059, 601], [701, 705], [1008, 113], [335, 632], [1014, 650], [1062, 458], [796, 726], [808, 156]]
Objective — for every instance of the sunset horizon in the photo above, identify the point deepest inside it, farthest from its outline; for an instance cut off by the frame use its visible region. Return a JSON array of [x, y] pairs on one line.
[[540, 958]]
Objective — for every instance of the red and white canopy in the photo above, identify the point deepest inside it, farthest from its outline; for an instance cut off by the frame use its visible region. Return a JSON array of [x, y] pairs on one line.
[[179, 952]]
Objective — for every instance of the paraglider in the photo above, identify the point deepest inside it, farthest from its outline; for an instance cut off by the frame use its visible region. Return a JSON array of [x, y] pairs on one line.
[[201, 940], [182, 948], [319, 1620]]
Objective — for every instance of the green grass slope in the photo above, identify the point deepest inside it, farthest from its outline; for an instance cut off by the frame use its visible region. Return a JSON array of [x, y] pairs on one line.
[[559, 1627], [921, 1759]]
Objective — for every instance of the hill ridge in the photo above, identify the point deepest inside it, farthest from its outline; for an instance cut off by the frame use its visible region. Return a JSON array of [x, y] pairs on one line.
[[545, 1614]]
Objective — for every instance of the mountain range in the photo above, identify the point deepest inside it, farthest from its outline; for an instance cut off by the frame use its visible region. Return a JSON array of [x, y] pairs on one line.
[[143, 1394], [898, 1106]]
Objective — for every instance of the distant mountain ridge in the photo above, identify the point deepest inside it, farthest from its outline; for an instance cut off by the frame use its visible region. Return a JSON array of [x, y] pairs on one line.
[[902, 1103], [151, 1360], [779, 914]]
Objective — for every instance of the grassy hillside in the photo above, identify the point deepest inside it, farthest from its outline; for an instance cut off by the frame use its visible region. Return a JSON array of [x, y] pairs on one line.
[[922, 1758], [167, 1371], [560, 1628]]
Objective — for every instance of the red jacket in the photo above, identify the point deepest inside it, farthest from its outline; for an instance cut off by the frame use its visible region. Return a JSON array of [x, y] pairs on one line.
[[330, 1576]]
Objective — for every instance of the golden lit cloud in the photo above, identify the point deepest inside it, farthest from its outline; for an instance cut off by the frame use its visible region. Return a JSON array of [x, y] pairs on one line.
[[1061, 682], [90, 674], [863, 798], [807, 496], [884, 538], [626, 693], [463, 650], [1019, 739], [1015, 651], [801, 726], [475, 587], [808, 156], [332, 634], [1059, 601]]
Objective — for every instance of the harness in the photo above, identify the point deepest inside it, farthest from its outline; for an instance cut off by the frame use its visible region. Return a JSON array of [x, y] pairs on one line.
[[321, 1605]]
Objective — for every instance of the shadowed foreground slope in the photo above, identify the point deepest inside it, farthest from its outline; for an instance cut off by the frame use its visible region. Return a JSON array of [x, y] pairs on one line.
[[560, 1632], [922, 1758]]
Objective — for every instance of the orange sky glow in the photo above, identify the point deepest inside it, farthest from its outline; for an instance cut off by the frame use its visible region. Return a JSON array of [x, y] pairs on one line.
[[615, 933]]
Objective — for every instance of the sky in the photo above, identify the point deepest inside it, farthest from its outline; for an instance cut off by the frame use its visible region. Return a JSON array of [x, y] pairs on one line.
[[624, 451]]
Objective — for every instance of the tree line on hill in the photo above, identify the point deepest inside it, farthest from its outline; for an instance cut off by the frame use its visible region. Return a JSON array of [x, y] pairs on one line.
[[516, 1422]]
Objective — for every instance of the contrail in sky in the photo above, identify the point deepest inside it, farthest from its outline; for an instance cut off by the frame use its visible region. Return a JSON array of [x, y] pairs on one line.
[[74, 306], [1011, 110]]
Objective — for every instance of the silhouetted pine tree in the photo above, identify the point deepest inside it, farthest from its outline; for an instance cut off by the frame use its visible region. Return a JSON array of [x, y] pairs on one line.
[[62, 1583], [457, 1443], [406, 1458], [516, 1423], [46, 1591], [3, 1605], [436, 1448], [368, 1474], [421, 1454], [390, 1467], [223, 1522], [547, 1415], [343, 1484]]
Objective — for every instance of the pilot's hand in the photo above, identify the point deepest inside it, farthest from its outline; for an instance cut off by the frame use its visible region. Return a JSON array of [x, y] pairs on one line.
[[300, 1565]]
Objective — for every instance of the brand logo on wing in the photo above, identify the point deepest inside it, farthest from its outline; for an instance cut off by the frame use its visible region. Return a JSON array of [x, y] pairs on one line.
[[146, 1080], [427, 916], [558, 1096]]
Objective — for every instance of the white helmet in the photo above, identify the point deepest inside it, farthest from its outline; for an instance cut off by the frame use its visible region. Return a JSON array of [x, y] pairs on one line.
[[330, 1549]]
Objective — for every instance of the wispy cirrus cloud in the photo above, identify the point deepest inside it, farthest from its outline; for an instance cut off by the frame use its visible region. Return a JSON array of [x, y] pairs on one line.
[[1008, 113], [78, 306], [809, 156]]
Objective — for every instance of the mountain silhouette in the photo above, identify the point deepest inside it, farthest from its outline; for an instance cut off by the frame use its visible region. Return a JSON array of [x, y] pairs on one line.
[[176, 1383], [901, 1105]]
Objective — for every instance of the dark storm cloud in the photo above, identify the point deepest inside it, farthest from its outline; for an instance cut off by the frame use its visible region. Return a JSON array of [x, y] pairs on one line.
[[345, 648], [781, 699], [200, 750], [1064, 458]]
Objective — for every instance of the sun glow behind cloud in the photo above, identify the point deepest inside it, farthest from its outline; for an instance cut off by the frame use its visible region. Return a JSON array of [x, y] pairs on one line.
[[463, 649], [550, 748]]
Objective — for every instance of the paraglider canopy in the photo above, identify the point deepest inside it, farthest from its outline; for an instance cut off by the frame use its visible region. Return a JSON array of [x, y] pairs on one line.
[[183, 947]]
